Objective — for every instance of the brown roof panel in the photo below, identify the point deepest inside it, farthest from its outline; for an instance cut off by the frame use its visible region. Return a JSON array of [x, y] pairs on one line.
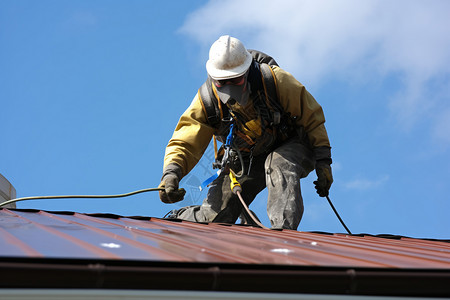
[[33, 233]]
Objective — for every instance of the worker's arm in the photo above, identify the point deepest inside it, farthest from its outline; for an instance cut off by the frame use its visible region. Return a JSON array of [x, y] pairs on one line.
[[189, 140], [296, 100]]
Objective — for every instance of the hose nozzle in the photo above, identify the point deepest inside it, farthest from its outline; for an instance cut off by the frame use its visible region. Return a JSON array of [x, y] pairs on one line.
[[234, 185]]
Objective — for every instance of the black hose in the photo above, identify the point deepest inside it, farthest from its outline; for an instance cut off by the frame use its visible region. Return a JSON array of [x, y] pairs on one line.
[[339, 217]]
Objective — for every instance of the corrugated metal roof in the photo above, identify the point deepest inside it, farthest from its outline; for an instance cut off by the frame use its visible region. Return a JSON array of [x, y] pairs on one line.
[[41, 234]]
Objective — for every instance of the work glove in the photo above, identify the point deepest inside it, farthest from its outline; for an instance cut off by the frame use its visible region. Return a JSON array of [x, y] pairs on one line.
[[324, 178], [169, 183], [323, 171]]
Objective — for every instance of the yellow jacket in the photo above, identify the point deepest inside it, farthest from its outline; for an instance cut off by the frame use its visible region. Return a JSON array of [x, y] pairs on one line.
[[193, 133]]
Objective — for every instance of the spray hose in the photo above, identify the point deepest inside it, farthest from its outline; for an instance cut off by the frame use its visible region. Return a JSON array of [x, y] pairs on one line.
[[81, 196], [237, 189]]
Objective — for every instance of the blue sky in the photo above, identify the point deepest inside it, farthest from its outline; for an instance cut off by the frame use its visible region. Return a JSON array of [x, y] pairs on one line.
[[90, 92]]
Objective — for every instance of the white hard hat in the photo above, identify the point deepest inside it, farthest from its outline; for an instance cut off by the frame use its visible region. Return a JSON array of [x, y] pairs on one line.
[[228, 58]]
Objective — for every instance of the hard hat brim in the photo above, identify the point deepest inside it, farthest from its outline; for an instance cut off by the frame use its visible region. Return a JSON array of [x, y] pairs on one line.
[[219, 74]]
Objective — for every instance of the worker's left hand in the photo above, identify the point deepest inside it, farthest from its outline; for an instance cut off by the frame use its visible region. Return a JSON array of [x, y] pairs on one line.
[[324, 178]]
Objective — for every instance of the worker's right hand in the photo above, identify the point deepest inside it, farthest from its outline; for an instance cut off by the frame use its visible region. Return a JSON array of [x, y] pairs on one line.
[[170, 192]]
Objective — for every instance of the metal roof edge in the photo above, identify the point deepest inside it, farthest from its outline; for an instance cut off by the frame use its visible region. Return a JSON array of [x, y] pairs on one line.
[[150, 275]]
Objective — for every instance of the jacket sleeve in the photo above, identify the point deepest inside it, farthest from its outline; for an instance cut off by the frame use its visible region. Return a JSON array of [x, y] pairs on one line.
[[190, 138], [296, 100]]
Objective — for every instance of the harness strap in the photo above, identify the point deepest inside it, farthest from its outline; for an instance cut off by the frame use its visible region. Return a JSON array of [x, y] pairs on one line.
[[270, 89], [268, 81], [207, 99]]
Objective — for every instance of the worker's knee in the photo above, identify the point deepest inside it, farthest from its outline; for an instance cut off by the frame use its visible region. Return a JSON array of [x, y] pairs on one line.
[[291, 157]]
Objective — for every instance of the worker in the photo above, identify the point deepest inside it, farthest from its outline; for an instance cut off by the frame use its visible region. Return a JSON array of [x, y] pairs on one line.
[[279, 137]]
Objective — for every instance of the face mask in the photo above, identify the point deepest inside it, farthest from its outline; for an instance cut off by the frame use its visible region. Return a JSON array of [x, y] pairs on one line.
[[238, 93]]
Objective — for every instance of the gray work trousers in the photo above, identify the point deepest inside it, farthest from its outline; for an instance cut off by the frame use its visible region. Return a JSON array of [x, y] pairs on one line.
[[280, 171]]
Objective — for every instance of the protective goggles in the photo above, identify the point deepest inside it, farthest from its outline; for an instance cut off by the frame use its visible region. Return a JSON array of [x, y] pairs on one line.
[[233, 81]]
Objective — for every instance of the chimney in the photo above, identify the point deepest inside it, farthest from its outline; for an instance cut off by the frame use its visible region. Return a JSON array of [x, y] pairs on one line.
[[7, 192]]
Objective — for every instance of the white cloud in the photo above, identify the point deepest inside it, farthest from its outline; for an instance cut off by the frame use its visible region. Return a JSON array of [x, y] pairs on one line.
[[365, 184], [358, 41]]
